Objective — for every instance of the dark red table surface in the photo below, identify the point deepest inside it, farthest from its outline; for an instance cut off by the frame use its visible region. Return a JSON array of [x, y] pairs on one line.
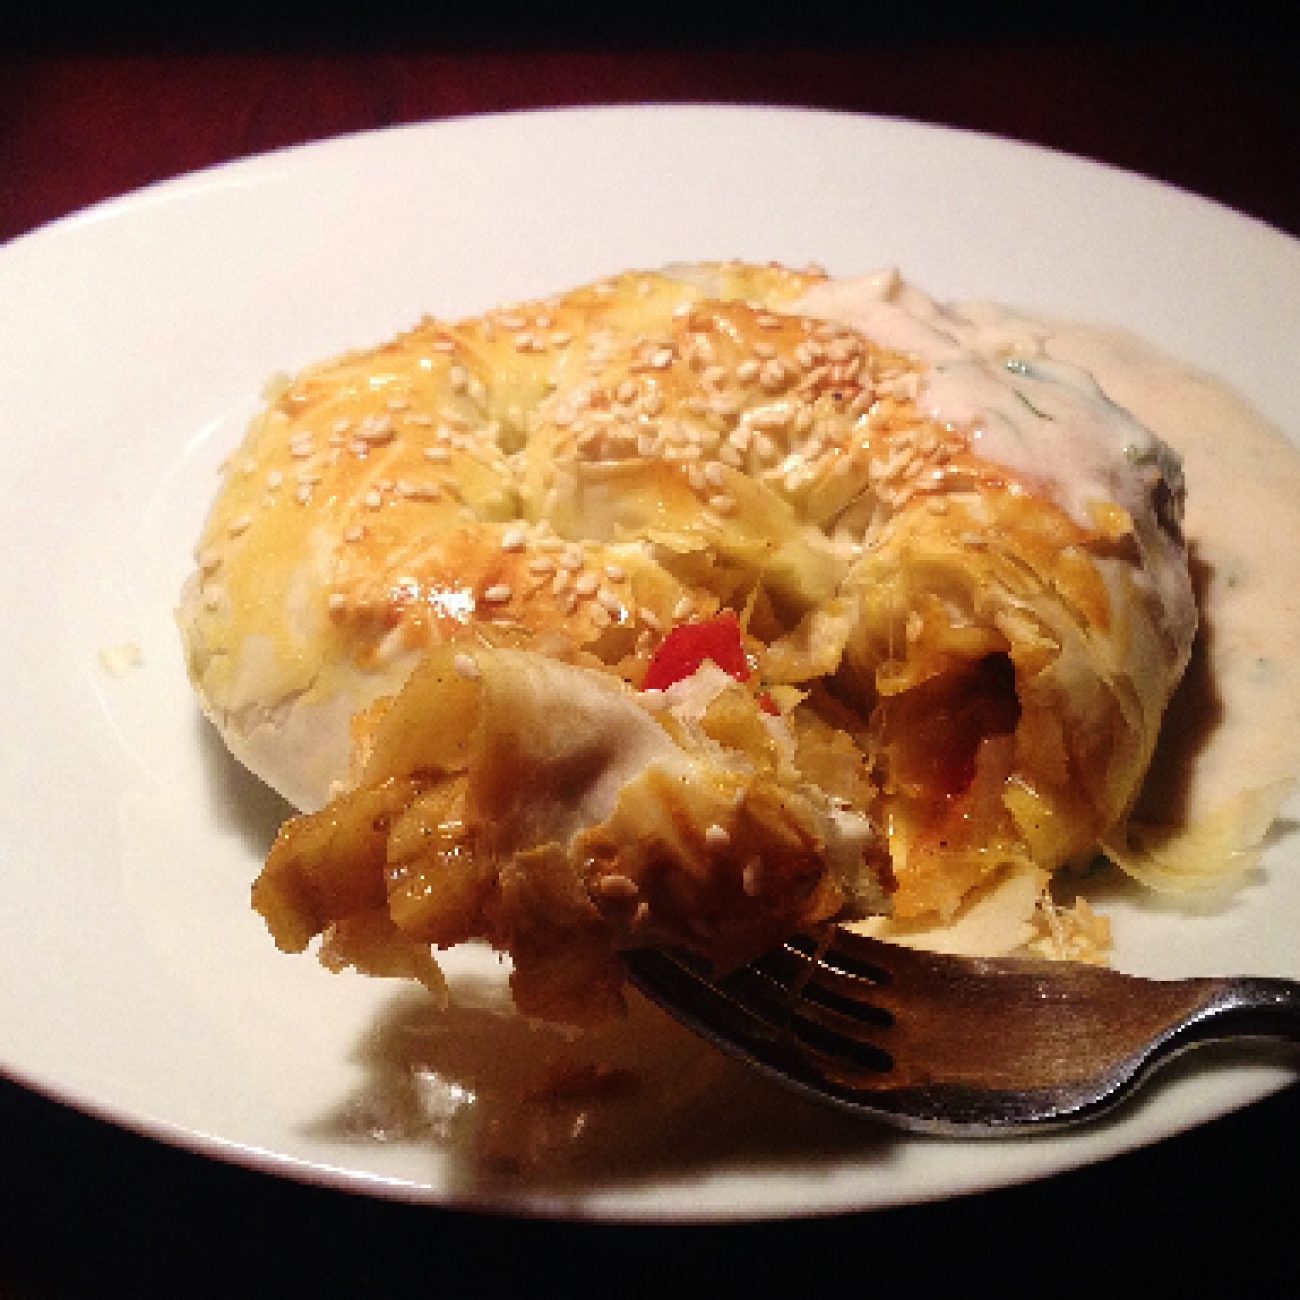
[[92, 108]]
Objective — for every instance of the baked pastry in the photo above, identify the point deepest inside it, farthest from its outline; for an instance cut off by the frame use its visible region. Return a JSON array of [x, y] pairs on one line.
[[688, 607]]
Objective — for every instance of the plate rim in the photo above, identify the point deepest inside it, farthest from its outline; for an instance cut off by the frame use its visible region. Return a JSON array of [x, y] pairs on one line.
[[291, 155]]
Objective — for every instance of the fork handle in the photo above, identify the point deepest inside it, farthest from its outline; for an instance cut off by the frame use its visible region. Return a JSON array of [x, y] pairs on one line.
[[1252, 1006]]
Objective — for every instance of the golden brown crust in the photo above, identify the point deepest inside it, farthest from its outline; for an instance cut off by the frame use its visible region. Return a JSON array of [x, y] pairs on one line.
[[955, 656], [381, 504]]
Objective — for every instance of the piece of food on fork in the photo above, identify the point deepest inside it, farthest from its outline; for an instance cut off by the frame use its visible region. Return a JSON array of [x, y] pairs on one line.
[[691, 607]]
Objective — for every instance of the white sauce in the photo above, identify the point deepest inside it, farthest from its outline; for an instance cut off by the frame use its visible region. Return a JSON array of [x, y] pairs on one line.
[[1235, 725], [989, 373]]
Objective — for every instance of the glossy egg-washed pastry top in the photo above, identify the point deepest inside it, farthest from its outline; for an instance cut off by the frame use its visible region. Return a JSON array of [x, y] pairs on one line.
[[690, 606]]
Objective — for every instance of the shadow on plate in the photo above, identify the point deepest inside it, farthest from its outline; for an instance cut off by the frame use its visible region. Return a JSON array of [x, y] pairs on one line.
[[510, 1105], [240, 802]]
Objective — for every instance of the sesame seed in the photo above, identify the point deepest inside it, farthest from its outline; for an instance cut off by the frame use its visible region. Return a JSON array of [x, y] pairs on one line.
[[467, 667], [586, 585], [809, 353], [514, 539], [615, 572], [373, 499], [716, 836], [751, 878], [240, 525], [682, 609], [498, 593], [617, 886], [438, 454], [649, 618], [609, 601], [722, 503], [771, 418], [354, 534], [376, 429], [541, 564], [337, 602]]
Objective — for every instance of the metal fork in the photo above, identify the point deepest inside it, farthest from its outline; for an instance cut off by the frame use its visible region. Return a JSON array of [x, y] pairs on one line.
[[956, 1045]]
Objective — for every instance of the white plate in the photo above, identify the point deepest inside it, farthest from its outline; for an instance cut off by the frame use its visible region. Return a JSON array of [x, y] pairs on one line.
[[134, 980]]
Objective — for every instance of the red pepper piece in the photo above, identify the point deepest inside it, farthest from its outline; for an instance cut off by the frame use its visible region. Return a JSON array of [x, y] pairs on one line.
[[686, 647]]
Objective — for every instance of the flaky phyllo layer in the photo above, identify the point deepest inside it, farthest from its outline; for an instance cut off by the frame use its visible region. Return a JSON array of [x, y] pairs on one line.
[[563, 816], [688, 608]]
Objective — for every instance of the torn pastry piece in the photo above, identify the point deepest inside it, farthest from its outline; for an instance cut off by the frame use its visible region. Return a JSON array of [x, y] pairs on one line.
[[562, 817]]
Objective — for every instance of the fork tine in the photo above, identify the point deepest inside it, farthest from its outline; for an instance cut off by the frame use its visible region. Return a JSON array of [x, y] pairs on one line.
[[763, 1014], [843, 1028], [684, 986]]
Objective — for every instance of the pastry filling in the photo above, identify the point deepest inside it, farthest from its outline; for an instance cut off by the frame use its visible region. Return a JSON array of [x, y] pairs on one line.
[[685, 608]]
